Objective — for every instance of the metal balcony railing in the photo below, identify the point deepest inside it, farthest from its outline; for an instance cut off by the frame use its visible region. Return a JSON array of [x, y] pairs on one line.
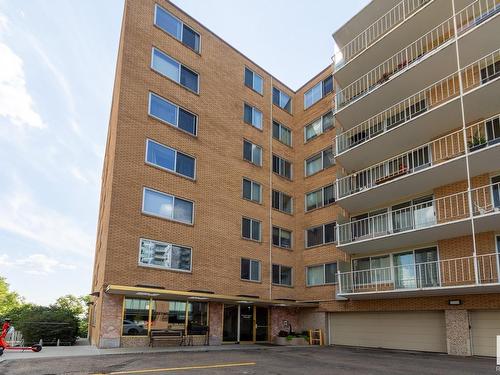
[[470, 16], [437, 274], [377, 29], [479, 135], [473, 75], [485, 199]]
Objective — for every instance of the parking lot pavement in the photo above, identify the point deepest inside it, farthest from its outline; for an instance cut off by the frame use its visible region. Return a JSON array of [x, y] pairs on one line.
[[270, 360]]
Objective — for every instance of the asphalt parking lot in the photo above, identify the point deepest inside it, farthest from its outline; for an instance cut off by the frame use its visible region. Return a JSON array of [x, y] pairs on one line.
[[270, 360]]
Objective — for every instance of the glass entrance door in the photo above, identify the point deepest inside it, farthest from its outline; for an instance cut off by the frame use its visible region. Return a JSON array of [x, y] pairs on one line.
[[261, 323], [404, 270], [246, 322], [230, 323]]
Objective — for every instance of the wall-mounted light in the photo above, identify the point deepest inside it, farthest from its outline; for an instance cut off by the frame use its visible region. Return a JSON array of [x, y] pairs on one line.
[[455, 302]]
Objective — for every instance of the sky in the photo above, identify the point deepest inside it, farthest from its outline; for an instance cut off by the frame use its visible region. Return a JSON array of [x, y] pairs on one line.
[[57, 65]]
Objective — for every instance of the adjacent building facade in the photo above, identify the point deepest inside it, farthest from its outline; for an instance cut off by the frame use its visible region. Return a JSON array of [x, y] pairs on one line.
[[366, 203]]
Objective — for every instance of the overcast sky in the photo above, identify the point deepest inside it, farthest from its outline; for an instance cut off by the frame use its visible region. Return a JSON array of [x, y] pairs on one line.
[[57, 64]]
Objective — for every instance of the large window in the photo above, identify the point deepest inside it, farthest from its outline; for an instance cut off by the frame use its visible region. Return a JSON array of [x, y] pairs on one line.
[[320, 90], [169, 159], [282, 167], [167, 206], [319, 126], [322, 274], [282, 275], [252, 116], [321, 235], [252, 190], [282, 238], [282, 133], [168, 67], [376, 269], [252, 153], [320, 161], [250, 269], [175, 27], [172, 114], [189, 317], [164, 255], [253, 81], [320, 198], [282, 100], [282, 201], [250, 229]]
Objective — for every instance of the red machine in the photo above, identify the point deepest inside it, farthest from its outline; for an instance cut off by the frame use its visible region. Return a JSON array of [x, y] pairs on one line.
[[4, 345]]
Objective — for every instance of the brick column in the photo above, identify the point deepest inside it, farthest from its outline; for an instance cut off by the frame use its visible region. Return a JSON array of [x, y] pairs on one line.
[[111, 321], [215, 323], [457, 332]]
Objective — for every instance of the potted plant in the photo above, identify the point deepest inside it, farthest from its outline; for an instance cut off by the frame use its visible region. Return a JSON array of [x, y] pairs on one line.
[[477, 142], [291, 338]]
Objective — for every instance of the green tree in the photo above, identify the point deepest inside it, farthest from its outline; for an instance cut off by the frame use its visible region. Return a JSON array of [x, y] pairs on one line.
[[8, 300], [78, 307]]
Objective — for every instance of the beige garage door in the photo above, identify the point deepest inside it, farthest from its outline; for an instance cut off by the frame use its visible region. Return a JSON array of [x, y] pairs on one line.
[[485, 327], [423, 331]]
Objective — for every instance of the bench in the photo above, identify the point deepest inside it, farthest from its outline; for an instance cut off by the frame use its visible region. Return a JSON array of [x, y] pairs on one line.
[[166, 336]]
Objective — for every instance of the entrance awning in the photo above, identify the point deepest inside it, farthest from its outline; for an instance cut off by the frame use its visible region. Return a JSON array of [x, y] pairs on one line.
[[134, 291]]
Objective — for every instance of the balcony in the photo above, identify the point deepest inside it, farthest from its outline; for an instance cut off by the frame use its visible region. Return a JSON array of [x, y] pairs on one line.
[[427, 114], [425, 167], [430, 219], [421, 50], [442, 277]]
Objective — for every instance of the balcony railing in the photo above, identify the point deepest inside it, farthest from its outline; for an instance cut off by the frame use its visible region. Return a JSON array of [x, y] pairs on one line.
[[470, 16], [485, 199], [448, 147], [445, 273], [377, 29], [473, 75]]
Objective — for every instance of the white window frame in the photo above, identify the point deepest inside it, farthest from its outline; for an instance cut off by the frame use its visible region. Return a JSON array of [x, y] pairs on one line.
[[252, 183], [322, 189], [160, 267], [281, 126], [251, 229], [253, 80], [280, 283], [254, 109], [182, 28], [320, 83], [174, 198], [322, 127], [322, 154], [323, 242], [324, 274], [280, 201], [280, 167], [252, 261], [280, 99], [177, 114], [179, 70], [256, 146], [280, 230], [174, 171]]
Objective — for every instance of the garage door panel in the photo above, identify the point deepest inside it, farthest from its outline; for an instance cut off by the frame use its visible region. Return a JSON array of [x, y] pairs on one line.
[[405, 330], [485, 327]]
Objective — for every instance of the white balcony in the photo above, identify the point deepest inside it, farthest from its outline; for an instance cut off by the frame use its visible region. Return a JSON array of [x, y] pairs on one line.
[[432, 220], [442, 277], [419, 63], [426, 114], [425, 167]]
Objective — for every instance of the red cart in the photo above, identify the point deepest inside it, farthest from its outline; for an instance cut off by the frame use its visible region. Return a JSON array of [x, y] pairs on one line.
[[4, 345]]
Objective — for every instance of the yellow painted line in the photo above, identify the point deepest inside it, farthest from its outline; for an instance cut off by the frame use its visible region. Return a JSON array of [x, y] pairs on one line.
[[179, 368]]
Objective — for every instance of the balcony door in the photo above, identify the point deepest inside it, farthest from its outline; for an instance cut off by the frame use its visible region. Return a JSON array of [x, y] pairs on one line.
[[495, 191], [404, 271], [416, 269]]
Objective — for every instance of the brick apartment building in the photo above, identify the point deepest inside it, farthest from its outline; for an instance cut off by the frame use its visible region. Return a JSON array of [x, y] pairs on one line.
[[366, 203]]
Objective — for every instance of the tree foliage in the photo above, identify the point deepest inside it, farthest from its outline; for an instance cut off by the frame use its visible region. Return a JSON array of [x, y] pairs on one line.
[[8, 299]]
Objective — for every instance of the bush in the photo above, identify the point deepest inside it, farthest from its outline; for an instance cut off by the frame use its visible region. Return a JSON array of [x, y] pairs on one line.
[[46, 323]]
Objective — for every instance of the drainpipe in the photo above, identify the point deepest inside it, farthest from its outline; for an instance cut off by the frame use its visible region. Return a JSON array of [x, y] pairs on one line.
[[271, 197]]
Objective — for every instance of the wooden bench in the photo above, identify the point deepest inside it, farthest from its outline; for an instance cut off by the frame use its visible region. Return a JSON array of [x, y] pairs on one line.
[[166, 336]]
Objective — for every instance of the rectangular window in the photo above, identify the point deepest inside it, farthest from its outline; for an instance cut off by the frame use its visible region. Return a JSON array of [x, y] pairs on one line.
[[252, 116], [282, 201], [282, 100], [321, 235], [282, 275], [318, 162], [135, 317], [250, 229], [167, 206], [250, 269], [253, 81], [319, 126], [322, 274], [175, 27], [252, 153], [282, 167], [171, 68], [170, 159], [164, 255], [172, 114], [318, 91], [282, 238], [282, 133], [320, 198], [252, 190]]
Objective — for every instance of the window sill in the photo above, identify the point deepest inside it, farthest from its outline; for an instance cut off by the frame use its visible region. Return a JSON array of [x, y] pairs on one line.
[[321, 170], [319, 136], [323, 244], [319, 208], [179, 41], [315, 286], [174, 126], [166, 269], [167, 219], [319, 101], [169, 171], [283, 177], [283, 285], [283, 212], [251, 240], [283, 248], [250, 281], [177, 83], [253, 126], [253, 90], [284, 110]]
